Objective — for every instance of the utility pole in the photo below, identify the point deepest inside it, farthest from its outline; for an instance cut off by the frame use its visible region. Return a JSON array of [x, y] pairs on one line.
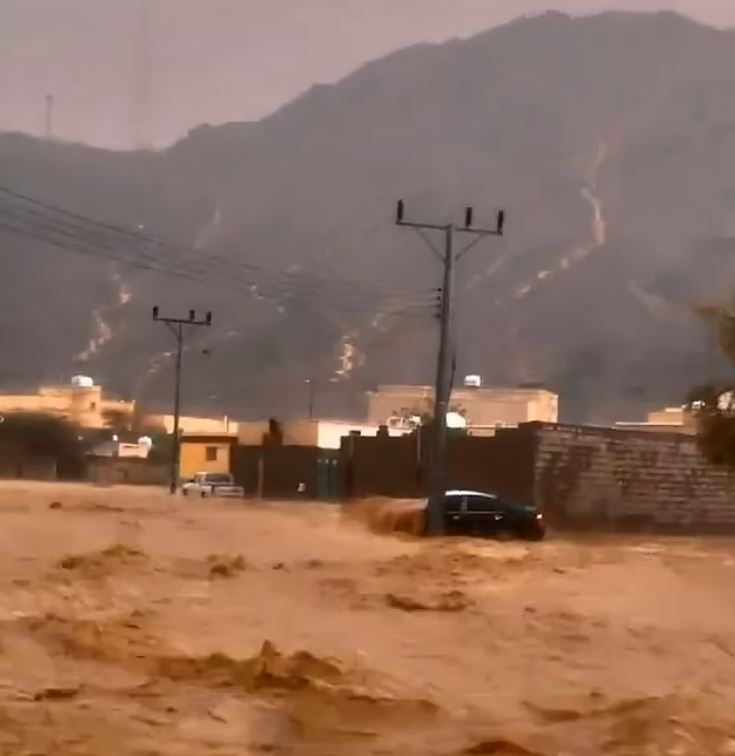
[[446, 356], [142, 114], [177, 327]]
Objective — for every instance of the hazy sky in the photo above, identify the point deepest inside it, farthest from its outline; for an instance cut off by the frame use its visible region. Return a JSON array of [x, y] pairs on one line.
[[145, 71]]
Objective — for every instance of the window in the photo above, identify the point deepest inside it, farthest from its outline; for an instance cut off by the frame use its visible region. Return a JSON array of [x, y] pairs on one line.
[[483, 504], [453, 504], [212, 453], [219, 479]]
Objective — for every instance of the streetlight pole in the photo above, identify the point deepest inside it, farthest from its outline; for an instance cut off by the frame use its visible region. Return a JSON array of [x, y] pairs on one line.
[[177, 326], [309, 383], [445, 359]]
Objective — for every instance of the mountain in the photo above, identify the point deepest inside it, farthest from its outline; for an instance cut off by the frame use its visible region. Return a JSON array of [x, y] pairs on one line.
[[142, 72], [608, 139]]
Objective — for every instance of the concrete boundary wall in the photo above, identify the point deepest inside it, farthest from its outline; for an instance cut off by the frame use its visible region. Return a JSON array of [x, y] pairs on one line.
[[622, 479]]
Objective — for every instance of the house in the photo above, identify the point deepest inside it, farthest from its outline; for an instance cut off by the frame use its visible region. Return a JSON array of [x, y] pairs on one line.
[[484, 409], [210, 452], [194, 425], [315, 433], [81, 402], [669, 419]]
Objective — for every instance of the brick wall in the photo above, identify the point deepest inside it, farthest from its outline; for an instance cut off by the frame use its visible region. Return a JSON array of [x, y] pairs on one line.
[[614, 478]]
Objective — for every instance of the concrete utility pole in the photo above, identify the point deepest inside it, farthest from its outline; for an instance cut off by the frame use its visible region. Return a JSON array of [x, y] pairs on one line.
[[445, 361], [177, 326]]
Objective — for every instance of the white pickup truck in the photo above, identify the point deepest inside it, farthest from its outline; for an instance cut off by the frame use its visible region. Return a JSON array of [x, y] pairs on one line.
[[219, 485]]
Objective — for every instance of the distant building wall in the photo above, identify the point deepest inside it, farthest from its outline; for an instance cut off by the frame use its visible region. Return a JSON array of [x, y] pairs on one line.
[[126, 471], [481, 407], [671, 419], [251, 433], [205, 454], [201, 425], [293, 432], [53, 405], [322, 434], [84, 406], [120, 449], [331, 432]]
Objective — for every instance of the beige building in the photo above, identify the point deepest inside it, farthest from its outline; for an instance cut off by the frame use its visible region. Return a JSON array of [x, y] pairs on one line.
[[322, 434], [81, 402], [196, 425], [484, 409], [84, 403], [670, 419]]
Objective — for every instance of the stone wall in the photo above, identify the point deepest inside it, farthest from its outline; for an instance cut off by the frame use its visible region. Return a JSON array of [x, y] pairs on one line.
[[619, 479]]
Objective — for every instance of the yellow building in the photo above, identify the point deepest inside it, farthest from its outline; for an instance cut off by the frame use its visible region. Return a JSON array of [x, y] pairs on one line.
[[482, 408], [211, 453], [81, 402]]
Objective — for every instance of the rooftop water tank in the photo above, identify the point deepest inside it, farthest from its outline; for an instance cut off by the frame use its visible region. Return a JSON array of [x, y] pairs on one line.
[[456, 421], [82, 381]]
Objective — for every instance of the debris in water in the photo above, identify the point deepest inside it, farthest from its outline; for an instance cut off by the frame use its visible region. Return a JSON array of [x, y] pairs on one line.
[[226, 566], [453, 601]]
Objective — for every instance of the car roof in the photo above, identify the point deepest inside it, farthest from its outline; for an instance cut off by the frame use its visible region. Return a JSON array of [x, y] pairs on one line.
[[471, 493]]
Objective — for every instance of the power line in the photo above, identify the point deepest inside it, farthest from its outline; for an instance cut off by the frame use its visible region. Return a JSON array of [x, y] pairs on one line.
[[143, 250], [62, 237], [284, 296]]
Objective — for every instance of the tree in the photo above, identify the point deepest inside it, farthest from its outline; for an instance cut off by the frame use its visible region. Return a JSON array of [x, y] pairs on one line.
[[42, 435], [713, 404]]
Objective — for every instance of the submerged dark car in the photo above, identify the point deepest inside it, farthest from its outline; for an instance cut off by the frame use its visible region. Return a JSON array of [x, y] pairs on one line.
[[482, 514]]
